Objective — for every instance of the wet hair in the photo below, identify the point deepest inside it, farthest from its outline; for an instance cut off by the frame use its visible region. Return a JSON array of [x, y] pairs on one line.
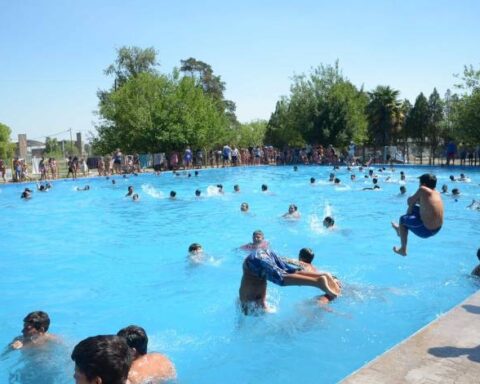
[[328, 222], [219, 186], [429, 180], [376, 186], [312, 180], [38, 320], [375, 180], [135, 196], [236, 187], [455, 191], [136, 336], [258, 232], [106, 356], [244, 205], [173, 193], [198, 192], [113, 181], [130, 187], [306, 255], [295, 208], [337, 180], [196, 173], [194, 247], [444, 187], [264, 187], [403, 189], [478, 253], [295, 168], [452, 177]]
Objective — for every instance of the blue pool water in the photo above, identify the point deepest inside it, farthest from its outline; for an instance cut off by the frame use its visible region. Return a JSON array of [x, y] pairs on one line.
[[96, 262]]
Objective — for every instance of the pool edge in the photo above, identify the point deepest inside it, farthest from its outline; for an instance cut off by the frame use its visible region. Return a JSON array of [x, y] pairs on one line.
[[447, 350]]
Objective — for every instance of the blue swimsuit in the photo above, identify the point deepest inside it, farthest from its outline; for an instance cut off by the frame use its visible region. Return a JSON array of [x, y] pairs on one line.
[[265, 264], [414, 223]]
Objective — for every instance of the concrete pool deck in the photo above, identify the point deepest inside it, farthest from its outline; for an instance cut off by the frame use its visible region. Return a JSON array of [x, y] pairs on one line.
[[445, 351]]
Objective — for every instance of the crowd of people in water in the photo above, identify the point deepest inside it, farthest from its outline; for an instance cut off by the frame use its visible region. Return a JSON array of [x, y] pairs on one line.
[[121, 357]]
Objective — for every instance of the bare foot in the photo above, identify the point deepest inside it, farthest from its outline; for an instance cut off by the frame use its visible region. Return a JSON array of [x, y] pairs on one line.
[[396, 228], [400, 251], [329, 285]]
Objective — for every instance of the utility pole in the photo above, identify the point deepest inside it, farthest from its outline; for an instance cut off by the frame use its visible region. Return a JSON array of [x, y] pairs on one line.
[[71, 142]]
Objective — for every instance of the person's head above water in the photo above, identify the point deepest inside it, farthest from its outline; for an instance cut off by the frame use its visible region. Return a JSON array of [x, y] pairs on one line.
[[35, 323], [295, 168], [328, 222], [455, 192], [444, 188], [102, 359], [428, 180], [312, 180], [173, 194], [337, 180], [195, 248], [198, 193], [236, 188], [244, 207], [136, 338], [135, 197], [452, 177], [257, 236], [403, 190], [306, 255], [292, 208], [264, 187]]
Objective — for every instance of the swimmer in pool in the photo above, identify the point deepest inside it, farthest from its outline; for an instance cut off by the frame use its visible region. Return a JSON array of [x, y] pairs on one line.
[[329, 222], [195, 253], [292, 212], [173, 195], [146, 367], [34, 332], [424, 215], [135, 197], [236, 188], [244, 207], [258, 242], [130, 191], [262, 265]]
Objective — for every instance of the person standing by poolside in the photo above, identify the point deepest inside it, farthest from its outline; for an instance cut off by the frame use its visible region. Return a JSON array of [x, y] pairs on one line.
[[3, 170], [424, 216]]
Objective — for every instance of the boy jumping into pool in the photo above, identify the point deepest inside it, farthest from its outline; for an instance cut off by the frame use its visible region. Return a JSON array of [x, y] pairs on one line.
[[424, 219], [262, 265]]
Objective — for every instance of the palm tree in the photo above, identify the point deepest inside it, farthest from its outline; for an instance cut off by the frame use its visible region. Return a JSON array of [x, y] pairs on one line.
[[384, 114]]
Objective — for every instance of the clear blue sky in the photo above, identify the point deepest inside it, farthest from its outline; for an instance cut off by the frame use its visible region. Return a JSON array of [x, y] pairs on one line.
[[53, 53]]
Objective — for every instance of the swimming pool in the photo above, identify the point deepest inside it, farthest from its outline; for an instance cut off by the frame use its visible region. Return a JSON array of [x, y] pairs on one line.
[[96, 262]]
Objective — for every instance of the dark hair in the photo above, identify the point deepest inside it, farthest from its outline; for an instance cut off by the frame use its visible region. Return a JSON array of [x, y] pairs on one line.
[[452, 178], [219, 186], [306, 255], [375, 180], [259, 232], [107, 357], [402, 188], [337, 180], [236, 187], [264, 187], [198, 192], [136, 336], [38, 320], [193, 247], [173, 193], [328, 221], [455, 191], [429, 180], [478, 253], [312, 180]]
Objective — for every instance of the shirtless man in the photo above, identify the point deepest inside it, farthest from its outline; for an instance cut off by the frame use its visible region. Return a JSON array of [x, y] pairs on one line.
[[292, 212], [262, 265], [258, 241], [424, 219], [146, 367], [34, 332]]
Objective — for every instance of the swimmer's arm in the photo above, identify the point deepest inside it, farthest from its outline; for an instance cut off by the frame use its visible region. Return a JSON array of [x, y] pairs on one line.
[[414, 199]]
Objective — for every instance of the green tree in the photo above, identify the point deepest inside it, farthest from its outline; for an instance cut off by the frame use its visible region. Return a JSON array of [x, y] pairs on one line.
[[211, 84], [6, 148], [251, 134], [466, 118], [417, 122], [323, 107], [384, 115], [434, 131]]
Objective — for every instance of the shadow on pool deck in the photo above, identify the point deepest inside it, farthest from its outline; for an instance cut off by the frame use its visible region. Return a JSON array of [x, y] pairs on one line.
[[446, 351]]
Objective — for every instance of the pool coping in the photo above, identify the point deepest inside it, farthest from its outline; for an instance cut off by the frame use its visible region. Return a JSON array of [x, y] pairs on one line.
[[447, 350]]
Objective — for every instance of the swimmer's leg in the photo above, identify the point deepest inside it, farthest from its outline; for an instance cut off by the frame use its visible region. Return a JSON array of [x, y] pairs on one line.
[[403, 233], [325, 282], [395, 226]]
